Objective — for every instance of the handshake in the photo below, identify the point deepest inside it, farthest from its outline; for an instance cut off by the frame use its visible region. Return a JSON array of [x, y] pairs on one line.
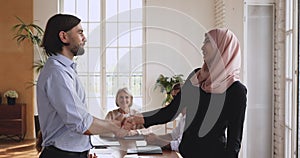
[[130, 123], [127, 126]]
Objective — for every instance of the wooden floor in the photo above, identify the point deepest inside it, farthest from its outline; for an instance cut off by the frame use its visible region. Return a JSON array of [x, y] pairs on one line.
[[14, 149]]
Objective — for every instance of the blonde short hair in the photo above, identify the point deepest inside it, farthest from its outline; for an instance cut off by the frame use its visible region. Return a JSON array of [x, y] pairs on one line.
[[125, 89]]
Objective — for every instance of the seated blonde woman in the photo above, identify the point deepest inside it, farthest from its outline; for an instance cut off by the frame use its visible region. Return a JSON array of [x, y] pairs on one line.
[[124, 100]]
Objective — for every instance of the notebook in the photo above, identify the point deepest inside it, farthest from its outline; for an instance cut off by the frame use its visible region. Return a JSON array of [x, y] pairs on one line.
[[149, 149]]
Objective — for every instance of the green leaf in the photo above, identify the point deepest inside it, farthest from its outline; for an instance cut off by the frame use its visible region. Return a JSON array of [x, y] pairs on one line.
[[38, 65], [32, 32], [166, 84]]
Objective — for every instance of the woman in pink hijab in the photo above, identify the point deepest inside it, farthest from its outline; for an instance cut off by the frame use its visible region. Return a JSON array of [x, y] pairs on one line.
[[215, 101]]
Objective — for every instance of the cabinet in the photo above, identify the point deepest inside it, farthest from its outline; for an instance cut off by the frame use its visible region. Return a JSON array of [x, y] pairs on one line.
[[13, 121]]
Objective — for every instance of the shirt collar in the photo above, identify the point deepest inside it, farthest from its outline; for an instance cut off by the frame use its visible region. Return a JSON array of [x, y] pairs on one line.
[[63, 60]]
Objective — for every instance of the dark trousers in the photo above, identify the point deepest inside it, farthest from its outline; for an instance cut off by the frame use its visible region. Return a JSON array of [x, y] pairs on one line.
[[53, 152]]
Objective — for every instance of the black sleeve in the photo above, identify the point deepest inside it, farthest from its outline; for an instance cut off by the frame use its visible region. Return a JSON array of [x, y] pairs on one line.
[[170, 112], [163, 115], [236, 121]]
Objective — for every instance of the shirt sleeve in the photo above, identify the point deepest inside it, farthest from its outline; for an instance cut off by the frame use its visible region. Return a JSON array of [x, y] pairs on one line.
[[109, 116], [163, 115], [178, 130], [236, 121], [175, 144], [170, 112], [63, 96], [177, 134]]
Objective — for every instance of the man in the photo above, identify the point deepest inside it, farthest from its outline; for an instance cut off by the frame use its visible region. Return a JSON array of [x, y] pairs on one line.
[[64, 119]]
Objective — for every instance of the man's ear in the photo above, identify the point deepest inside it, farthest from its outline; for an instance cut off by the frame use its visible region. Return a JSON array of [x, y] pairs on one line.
[[63, 36]]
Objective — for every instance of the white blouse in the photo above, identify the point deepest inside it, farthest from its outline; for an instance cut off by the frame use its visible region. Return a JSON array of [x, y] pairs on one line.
[[177, 134]]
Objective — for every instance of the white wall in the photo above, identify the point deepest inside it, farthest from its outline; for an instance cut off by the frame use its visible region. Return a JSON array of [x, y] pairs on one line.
[[174, 38], [42, 11]]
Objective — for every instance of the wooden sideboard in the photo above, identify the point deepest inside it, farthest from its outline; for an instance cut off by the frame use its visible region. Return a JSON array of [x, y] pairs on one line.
[[13, 121]]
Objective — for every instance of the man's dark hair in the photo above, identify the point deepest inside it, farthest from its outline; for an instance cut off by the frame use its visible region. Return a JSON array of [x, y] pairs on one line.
[[59, 22]]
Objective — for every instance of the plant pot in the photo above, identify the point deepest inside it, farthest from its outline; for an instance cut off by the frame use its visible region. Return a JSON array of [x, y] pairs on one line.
[[11, 101]]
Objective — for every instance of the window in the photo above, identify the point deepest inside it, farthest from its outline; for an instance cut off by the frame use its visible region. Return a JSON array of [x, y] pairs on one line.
[[290, 81], [258, 60], [114, 50]]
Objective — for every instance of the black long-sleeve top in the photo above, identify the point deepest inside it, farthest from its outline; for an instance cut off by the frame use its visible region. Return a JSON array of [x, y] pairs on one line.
[[208, 117]]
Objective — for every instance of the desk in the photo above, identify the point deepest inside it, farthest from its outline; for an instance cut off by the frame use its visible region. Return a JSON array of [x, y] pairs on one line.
[[119, 151]]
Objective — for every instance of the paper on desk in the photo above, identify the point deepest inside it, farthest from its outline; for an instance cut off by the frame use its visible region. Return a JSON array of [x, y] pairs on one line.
[[97, 141], [135, 137], [103, 153], [141, 143], [131, 156]]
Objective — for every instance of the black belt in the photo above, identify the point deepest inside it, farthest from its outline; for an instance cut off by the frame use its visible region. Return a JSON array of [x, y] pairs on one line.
[[70, 153]]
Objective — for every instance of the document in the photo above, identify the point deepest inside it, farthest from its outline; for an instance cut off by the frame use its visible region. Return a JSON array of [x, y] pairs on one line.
[[135, 137], [141, 143], [103, 153], [98, 141], [131, 156]]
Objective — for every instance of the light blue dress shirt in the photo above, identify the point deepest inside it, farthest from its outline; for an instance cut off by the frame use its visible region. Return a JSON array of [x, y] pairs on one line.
[[62, 106]]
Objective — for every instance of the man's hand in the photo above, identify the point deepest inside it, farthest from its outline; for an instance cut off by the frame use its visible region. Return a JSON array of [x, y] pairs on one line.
[[128, 123], [100, 127], [131, 122], [120, 132]]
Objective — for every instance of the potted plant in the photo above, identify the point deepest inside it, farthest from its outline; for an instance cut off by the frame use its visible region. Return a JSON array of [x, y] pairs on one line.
[[11, 96], [34, 34], [166, 85]]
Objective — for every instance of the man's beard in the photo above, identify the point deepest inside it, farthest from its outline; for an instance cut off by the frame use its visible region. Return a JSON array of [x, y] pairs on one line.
[[77, 50]]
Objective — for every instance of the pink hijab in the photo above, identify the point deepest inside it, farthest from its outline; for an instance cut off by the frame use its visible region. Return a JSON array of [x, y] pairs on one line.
[[223, 69]]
